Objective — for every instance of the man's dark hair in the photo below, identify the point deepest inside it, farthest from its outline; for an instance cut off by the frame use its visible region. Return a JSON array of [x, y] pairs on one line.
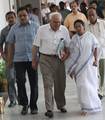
[[52, 6], [79, 21], [74, 1], [91, 7], [21, 9], [28, 8], [93, 2], [35, 10], [9, 13], [61, 5]]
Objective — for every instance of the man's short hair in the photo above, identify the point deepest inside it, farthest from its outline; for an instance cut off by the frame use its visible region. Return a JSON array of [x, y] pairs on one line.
[[93, 2], [54, 14], [22, 9], [79, 21], [61, 4], [9, 13], [74, 1], [91, 8]]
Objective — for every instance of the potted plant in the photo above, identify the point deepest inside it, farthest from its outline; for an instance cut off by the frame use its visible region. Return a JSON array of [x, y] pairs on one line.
[[3, 80]]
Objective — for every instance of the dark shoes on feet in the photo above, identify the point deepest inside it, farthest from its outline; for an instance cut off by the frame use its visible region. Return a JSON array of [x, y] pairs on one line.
[[49, 114], [100, 96], [12, 104], [34, 111], [24, 110], [63, 110]]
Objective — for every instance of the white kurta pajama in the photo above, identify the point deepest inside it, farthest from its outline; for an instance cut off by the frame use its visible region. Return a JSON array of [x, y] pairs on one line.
[[80, 64]]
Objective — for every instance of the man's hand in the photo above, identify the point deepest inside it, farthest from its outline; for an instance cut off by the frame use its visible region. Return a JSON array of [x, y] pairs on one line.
[[95, 63], [35, 57], [34, 64], [72, 74], [4, 56], [65, 54], [9, 64]]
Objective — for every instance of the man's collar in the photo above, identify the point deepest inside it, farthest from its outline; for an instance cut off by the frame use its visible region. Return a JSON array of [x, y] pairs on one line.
[[28, 23], [76, 13], [98, 21], [8, 27]]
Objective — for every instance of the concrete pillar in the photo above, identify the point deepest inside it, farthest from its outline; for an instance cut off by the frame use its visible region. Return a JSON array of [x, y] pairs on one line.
[[35, 3]]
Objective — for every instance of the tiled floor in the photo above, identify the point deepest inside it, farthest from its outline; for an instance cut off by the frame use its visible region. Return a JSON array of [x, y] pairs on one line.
[[72, 107]]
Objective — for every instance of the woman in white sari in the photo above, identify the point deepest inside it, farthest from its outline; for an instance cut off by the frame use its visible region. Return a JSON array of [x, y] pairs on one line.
[[82, 66]]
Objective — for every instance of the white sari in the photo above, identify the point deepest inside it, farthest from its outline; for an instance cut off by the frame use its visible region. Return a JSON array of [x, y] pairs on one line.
[[80, 64]]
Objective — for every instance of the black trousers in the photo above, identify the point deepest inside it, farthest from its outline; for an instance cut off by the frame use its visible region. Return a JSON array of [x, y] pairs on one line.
[[21, 69]]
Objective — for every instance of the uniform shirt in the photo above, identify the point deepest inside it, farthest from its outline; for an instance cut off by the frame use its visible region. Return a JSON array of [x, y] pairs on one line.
[[3, 37], [64, 13], [71, 18], [47, 40], [23, 37], [34, 18], [98, 29]]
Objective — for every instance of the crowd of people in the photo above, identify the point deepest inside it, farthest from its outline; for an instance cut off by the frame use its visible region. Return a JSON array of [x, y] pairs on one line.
[[70, 42]]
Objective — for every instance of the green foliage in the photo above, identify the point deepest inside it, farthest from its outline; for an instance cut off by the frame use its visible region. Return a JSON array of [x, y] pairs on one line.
[[2, 69]]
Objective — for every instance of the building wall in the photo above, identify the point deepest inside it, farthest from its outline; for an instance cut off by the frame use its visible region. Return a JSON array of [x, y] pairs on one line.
[[35, 3], [4, 7]]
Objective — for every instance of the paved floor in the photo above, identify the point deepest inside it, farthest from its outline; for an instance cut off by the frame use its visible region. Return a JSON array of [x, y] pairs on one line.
[[72, 107]]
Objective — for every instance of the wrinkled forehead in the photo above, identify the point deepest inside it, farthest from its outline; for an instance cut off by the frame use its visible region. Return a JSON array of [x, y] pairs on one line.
[[56, 18], [10, 15], [22, 12], [91, 12]]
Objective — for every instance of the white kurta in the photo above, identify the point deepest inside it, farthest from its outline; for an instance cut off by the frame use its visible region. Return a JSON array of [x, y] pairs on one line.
[[80, 63]]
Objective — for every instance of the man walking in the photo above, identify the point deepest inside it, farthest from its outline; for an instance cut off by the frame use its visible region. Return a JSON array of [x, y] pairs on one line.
[[97, 27], [20, 40], [11, 19], [52, 67]]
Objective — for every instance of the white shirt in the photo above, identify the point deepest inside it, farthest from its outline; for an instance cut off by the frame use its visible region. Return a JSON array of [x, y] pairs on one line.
[[47, 40], [98, 29], [44, 12]]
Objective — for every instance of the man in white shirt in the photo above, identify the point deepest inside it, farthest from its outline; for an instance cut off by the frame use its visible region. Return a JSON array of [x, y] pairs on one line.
[[52, 67], [97, 27]]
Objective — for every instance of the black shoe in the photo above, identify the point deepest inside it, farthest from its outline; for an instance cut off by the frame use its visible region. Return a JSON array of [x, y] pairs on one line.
[[63, 110], [34, 111], [12, 104], [49, 114], [100, 96], [24, 110]]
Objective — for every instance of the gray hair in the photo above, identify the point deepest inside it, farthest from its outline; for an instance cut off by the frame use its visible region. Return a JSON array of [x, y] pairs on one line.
[[55, 14]]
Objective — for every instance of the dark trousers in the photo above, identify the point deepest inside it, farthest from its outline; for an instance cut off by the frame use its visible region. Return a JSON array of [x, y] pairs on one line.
[[21, 69]]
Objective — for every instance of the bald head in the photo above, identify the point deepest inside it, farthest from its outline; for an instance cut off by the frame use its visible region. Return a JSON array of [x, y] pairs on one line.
[[92, 15], [55, 20]]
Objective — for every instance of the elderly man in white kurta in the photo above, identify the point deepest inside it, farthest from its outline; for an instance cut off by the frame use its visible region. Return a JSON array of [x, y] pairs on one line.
[[97, 27], [51, 65]]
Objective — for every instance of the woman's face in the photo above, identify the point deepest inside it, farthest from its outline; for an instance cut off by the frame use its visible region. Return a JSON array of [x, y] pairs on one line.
[[80, 29]]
